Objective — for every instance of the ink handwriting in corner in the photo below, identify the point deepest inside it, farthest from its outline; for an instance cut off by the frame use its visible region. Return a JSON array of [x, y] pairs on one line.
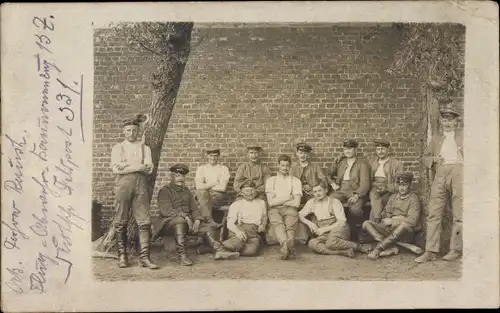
[[15, 279], [11, 241], [38, 278], [16, 183]]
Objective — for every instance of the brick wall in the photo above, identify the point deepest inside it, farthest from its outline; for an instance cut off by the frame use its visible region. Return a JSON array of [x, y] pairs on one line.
[[270, 85]]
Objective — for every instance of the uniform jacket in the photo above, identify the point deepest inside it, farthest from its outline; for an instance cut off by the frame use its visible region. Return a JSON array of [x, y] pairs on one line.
[[258, 173], [174, 200], [408, 208], [359, 177], [311, 175], [434, 148], [392, 168]]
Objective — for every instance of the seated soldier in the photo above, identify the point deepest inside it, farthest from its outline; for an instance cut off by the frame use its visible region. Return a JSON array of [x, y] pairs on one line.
[[400, 219], [246, 218], [384, 170], [332, 234], [180, 215], [351, 175], [211, 181], [283, 197], [253, 170]]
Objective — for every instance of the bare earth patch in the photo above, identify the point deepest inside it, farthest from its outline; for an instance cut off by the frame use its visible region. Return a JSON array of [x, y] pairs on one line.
[[267, 266]]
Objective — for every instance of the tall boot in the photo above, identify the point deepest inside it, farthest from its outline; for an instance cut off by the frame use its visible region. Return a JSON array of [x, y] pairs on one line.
[[144, 244], [180, 236], [121, 244], [219, 252], [387, 242]]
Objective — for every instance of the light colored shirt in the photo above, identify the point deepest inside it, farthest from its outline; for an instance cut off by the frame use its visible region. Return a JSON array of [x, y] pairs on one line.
[[380, 168], [449, 149], [324, 209], [247, 212], [347, 173], [283, 186], [130, 153], [212, 174]]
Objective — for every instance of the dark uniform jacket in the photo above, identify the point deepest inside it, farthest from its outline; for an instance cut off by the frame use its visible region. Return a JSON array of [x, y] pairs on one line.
[[392, 168], [359, 177], [173, 201]]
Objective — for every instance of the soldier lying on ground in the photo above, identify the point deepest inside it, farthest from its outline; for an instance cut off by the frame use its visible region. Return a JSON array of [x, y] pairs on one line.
[[247, 217], [332, 233]]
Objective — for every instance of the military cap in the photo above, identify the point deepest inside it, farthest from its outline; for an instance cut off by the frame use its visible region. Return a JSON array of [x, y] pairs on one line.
[[254, 147], [248, 183], [350, 143], [405, 178], [448, 109], [212, 150], [382, 143], [302, 146], [179, 168], [131, 121]]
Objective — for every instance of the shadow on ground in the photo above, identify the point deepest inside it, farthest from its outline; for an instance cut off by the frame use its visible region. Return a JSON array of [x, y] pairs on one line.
[[267, 266]]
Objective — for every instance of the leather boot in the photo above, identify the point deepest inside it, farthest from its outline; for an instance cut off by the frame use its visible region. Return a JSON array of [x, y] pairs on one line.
[[144, 244], [219, 252], [180, 236], [121, 244], [393, 237]]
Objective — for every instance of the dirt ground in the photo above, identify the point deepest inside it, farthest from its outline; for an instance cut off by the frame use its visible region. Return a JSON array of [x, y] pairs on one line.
[[267, 266]]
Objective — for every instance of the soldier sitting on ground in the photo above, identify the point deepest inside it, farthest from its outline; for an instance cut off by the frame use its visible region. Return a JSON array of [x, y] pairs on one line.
[[247, 217], [400, 220], [180, 215], [332, 233]]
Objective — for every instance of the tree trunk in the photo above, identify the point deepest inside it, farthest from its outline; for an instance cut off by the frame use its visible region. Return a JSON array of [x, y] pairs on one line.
[[174, 53]]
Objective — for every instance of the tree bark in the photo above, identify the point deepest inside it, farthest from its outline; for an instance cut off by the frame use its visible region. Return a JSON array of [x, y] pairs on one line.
[[174, 52]]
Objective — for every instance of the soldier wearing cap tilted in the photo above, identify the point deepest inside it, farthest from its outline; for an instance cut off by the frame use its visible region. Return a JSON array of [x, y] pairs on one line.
[[255, 171], [179, 215], [399, 220], [351, 184], [211, 182], [131, 161], [444, 156], [384, 170], [247, 217], [310, 174]]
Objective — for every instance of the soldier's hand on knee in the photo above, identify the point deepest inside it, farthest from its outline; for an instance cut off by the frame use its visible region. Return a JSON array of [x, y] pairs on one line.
[[189, 222], [353, 199], [241, 235], [262, 228], [196, 226], [387, 221]]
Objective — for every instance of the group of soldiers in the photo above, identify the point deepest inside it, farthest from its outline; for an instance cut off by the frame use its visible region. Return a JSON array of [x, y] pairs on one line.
[[332, 207]]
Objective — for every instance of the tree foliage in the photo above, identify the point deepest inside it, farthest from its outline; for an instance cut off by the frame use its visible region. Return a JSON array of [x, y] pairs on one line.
[[434, 54]]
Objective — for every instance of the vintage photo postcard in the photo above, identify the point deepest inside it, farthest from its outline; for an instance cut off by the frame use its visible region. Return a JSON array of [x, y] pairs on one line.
[[244, 156]]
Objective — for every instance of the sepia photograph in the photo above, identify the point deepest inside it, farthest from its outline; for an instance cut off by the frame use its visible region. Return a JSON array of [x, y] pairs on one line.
[[201, 156], [309, 151]]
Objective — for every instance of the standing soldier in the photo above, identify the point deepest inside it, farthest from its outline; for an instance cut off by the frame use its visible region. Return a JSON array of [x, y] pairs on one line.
[[384, 170], [211, 182], [444, 156], [180, 215], [283, 196], [253, 170], [131, 161], [399, 220], [310, 174], [247, 217], [351, 184]]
